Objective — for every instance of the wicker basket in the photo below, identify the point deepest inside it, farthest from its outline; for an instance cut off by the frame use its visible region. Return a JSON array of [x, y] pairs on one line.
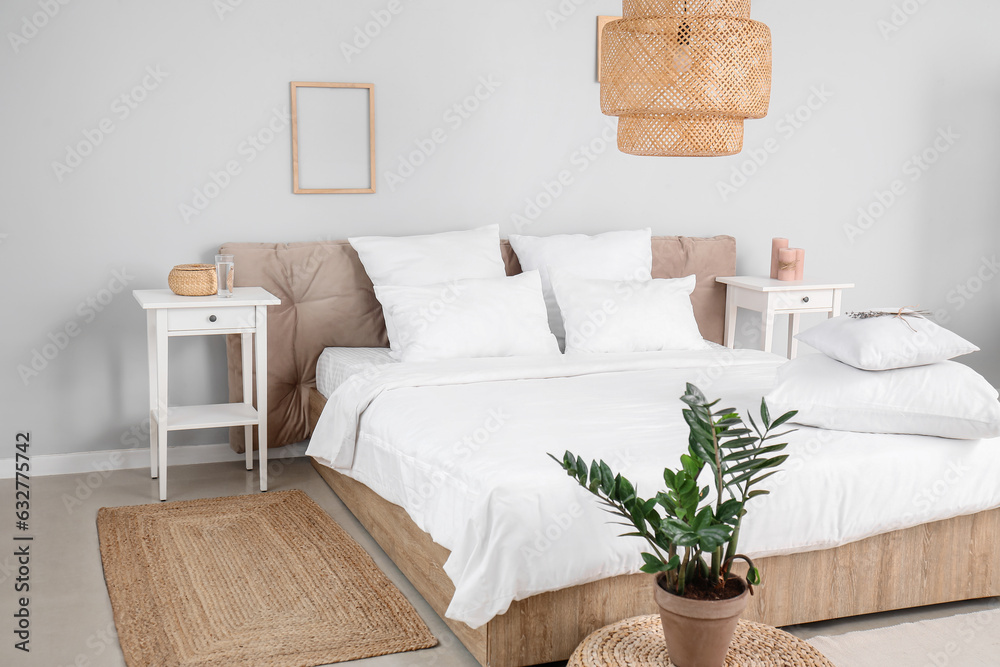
[[193, 280]]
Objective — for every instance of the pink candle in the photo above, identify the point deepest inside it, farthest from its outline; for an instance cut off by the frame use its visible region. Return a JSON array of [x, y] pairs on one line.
[[776, 245], [800, 263], [786, 264]]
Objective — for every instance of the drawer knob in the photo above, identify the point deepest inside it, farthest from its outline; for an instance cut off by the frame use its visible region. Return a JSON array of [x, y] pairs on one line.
[[212, 318], [805, 299]]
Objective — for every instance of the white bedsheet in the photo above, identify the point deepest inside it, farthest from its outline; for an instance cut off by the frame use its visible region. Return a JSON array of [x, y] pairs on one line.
[[461, 446], [336, 364]]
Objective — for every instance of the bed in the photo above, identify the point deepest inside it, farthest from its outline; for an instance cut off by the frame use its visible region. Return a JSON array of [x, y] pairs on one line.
[[327, 303]]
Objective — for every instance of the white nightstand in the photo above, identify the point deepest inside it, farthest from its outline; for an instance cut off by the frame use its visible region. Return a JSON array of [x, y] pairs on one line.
[[167, 315], [777, 297]]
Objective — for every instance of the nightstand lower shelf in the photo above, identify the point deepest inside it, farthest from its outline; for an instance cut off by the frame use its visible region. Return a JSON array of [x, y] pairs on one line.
[[210, 416]]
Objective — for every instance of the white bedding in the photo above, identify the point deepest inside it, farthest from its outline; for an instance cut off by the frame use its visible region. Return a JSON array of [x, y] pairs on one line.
[[461, 446], [336, 364]]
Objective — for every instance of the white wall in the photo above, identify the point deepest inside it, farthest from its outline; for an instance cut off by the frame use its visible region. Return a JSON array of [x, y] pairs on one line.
[[223, 75]]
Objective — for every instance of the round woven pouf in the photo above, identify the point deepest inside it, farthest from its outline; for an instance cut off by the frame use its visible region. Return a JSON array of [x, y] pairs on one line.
[[638, 642]]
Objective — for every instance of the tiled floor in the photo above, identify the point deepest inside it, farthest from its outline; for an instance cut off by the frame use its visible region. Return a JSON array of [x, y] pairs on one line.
[[71, 622]]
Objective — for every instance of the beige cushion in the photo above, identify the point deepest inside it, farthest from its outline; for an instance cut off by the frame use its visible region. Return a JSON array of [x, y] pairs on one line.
[[327, 300]]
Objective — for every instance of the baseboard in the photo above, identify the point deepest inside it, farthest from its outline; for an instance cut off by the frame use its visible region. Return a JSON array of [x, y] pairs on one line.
[[124, 459]]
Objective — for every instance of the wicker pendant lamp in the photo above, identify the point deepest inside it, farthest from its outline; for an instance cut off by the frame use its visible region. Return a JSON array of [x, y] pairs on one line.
[[682, 75]]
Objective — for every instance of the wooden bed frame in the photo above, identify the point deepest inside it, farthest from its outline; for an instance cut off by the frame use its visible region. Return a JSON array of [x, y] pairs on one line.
[[327, 300], [951, 560]]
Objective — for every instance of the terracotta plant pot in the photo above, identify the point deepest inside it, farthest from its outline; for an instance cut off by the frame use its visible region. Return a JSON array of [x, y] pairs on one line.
[[698, 632]]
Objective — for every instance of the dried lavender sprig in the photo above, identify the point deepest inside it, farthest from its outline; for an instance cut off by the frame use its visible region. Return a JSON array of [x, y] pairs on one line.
[[902, 312]]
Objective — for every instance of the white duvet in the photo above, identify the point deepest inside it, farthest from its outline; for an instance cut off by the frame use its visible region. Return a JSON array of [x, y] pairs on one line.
[[461, 445]]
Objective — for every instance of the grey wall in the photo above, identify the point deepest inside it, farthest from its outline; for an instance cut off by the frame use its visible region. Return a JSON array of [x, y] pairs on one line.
[[224, 73]]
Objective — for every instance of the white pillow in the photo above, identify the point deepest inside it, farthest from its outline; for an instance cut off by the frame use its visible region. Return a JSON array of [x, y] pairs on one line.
[[626, 316], [610, 256], [882, 343], [413, 261], [495, 317], [945, 399]]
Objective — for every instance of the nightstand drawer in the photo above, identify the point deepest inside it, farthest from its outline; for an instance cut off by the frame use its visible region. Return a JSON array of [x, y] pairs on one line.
[[207, 319], [803, 300]]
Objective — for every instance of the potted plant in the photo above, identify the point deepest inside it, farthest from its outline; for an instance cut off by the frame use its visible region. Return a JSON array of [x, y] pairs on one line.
[[694, 546]]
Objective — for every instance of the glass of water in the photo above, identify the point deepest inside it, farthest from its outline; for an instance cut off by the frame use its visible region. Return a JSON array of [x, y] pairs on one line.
[[224, 270]]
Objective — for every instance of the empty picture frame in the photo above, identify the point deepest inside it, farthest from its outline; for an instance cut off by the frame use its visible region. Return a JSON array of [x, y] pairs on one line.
[[333, 138]]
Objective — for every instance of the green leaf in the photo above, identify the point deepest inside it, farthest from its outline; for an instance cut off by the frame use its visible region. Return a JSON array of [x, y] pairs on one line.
[[674, 528], [750, 474], [595, 477], [757, 480], [753, 576], [693, 391], [738, 442], [776, 461], [765, 415], [702, 519], [666, 503], [607, 478], [648, 506], [653, 564], [691, 467], [698, 427], [687, 539], [728, 510], [701, 450], [616, 489], [637, 515], [625, 489], [710, 542], [687, 485], [759, 492], [752, 464], [783, 418], [754, 453]]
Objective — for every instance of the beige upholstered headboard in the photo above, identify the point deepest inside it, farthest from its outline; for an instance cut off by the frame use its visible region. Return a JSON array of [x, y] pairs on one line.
[[327, 300]]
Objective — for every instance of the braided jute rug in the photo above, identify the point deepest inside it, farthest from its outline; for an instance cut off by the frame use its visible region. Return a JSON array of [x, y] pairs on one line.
[[638, 642], [268, 580]]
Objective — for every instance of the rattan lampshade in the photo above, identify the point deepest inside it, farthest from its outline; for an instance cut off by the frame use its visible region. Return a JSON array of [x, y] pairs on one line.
[[682, 75]]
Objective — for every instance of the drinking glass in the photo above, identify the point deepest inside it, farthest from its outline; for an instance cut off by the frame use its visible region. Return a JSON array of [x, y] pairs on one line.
[[224, 270]]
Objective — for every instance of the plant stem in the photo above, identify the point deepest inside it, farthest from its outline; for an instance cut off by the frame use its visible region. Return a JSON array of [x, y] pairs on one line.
[[682, 572], [718, 464], [733, 541], [717, 554]]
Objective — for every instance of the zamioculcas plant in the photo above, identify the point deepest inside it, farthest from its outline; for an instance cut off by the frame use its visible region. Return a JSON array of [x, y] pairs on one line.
[[695, 545]]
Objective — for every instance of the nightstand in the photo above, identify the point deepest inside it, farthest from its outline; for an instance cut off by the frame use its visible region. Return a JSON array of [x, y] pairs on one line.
[[779, 297], [168, 315]]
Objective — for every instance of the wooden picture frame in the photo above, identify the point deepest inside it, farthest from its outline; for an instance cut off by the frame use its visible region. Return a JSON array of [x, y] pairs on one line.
[[321, 136]]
